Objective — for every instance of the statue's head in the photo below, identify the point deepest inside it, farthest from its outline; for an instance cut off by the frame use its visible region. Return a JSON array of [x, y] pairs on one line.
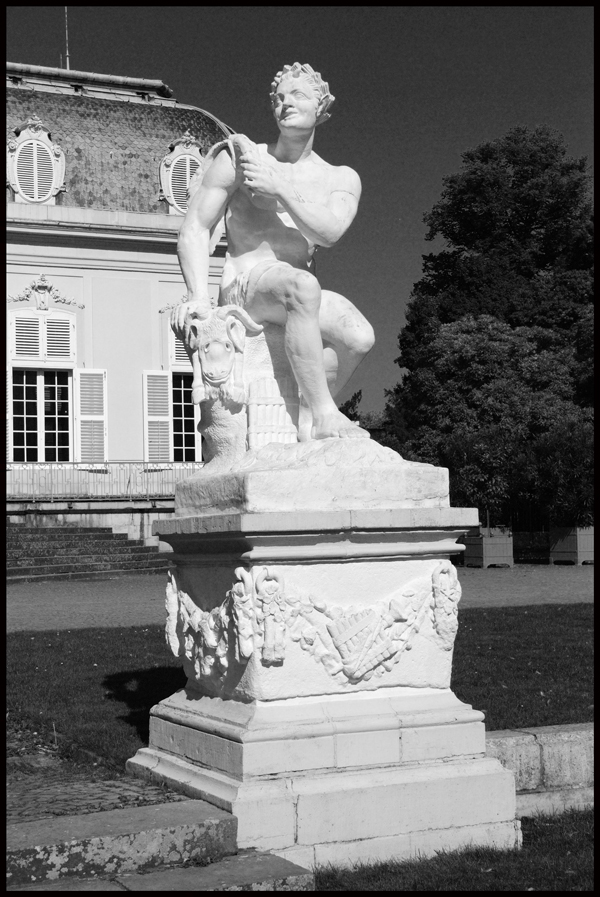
[[305, 74]]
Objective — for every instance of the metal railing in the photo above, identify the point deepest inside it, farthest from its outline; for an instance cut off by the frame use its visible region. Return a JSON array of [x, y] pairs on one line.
[[122, 480]]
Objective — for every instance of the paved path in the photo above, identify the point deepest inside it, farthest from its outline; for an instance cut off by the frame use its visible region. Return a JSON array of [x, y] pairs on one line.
[[140, 600], [43, 787], [526, 584]]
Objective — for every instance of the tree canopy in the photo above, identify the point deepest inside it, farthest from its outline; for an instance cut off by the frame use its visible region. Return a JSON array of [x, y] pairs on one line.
[[498, 340]]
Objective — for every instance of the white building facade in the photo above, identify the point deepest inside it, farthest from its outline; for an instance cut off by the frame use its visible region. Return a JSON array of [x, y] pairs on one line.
[[100, 423]]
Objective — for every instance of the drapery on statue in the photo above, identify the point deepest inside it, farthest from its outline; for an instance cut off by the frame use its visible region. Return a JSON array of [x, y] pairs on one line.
[[280, 201]]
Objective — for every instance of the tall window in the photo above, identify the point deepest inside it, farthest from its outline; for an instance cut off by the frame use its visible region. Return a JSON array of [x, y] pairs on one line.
[[184, 419], [41, 415], [171, 419], [53, 415]]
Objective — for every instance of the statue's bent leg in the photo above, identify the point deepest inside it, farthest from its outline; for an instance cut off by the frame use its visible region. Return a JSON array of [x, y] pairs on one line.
[[288, 295], [347, 338]]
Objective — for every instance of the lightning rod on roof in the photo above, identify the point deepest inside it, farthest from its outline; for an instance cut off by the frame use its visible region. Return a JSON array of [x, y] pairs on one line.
[[67, 38]]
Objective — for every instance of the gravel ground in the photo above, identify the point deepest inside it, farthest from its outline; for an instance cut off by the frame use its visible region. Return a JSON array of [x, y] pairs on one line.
[[140, 600]]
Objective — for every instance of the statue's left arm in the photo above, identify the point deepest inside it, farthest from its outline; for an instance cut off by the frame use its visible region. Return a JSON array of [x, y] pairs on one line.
[[321, 223], [324, 224]]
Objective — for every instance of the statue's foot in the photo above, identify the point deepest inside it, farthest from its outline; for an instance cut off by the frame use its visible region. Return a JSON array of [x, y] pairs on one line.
[[305, 421], [335, 423]]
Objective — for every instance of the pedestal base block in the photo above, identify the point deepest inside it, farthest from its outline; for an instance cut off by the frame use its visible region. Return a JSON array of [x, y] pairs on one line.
[[368, 775], [314, 608]]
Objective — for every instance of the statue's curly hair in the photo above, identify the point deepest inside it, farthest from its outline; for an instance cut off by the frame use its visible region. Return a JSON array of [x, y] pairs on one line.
[[321, 87]]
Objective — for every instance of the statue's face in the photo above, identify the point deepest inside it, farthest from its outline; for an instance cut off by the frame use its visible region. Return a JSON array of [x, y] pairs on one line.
[[296, 104]]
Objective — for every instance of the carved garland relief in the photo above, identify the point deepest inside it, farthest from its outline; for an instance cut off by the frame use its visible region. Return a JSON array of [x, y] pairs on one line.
[[259, 615], [42, 290]]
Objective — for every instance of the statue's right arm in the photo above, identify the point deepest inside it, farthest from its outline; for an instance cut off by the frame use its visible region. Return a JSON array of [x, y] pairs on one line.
[[206, 207]]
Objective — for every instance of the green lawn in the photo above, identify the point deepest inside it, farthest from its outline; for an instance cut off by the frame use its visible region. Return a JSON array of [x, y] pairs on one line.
[[526, 666], [523, 666], [557, 855]]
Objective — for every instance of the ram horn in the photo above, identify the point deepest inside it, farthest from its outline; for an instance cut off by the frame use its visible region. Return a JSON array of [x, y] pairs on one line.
[[251, 326]]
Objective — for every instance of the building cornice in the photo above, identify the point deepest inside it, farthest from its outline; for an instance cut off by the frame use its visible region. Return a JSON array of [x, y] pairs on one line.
[[94, 227], [140, 89]]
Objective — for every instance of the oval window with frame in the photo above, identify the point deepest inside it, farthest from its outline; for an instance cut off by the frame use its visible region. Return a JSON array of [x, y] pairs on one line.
[[182, 171], [34, 170]]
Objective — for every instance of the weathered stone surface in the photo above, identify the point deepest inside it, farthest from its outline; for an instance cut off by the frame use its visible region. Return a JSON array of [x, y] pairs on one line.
[[352, 474], [560, 800], [118, 841], [567, 755], [520, 752], [249, 871], [72, 884], [546, 758], [499, 835]]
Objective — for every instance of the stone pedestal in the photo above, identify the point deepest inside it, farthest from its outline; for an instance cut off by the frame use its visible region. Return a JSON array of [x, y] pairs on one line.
[[317, 639]]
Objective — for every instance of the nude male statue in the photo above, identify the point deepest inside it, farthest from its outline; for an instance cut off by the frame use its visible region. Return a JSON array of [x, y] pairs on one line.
[[281, 201]]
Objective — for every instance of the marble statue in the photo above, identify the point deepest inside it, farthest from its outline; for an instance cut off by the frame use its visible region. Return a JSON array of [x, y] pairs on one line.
[[311, 597], [280, 201]]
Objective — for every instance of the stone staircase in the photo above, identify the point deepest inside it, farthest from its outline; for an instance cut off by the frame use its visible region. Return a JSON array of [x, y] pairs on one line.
[[189, 845], [41, 553]]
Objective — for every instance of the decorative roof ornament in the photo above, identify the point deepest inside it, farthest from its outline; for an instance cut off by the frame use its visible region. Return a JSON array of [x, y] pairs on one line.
[[42, 291], [33, 124], [186, 141]]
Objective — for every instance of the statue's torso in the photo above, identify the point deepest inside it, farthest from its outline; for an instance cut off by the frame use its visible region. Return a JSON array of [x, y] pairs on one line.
[[259, 228]]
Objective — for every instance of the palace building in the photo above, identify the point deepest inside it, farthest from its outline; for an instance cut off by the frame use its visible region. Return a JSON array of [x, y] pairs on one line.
[[100, 422]]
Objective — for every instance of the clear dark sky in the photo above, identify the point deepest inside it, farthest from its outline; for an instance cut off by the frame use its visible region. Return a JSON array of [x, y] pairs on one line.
[[415, 87]]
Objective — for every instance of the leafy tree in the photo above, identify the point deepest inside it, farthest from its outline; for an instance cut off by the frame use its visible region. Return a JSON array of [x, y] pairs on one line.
[[350, 408], [565, 455], [518, 225], [495, 405], [498, 340]]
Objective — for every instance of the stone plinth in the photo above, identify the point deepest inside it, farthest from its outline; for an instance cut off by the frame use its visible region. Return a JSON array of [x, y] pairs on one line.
[[317, 640], [349, 474]]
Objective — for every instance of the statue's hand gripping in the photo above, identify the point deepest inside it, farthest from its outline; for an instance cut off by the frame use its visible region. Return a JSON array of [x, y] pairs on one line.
[[262, 175], [184, 315]]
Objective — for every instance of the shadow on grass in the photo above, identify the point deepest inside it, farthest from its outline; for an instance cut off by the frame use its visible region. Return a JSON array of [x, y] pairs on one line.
[[140, 690]]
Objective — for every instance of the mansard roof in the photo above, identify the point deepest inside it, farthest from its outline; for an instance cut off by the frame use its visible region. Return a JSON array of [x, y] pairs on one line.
[[114, 131]]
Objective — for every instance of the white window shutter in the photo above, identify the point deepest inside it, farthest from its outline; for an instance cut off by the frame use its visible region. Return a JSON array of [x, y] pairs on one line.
[[43, 337], [25, 169], [44, 171], [158, 417], [91, 442], [177, 351], [27, 336], [60, 338], [182, 171], [35, 170]]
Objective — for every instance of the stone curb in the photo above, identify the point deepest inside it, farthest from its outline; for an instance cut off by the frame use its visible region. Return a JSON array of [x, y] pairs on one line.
[[553, 765], [118, 841], [247, 871]]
